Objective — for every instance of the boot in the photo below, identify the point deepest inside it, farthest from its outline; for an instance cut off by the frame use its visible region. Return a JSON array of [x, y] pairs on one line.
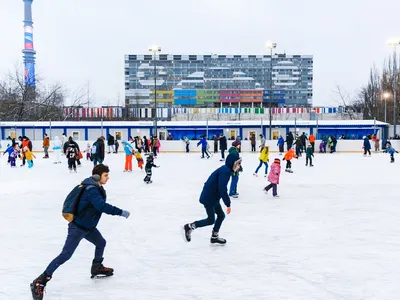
[[38, 285], [215, 239], [188, 228], [99, 269]]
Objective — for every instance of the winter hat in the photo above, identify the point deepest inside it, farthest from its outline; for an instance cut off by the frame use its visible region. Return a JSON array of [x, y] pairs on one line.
[[236, 143], [364, 137], [277, 160]]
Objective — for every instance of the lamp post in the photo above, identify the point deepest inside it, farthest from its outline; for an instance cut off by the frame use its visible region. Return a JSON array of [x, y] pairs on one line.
[[270, 45], [154, 49], [394, 43], [386, 96]]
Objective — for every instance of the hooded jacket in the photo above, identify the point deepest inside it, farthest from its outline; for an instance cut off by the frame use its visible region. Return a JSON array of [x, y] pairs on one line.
[[93, 204], [215, 187]]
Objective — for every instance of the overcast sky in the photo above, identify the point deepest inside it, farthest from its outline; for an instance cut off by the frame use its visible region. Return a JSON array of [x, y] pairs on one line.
[[80, 41]]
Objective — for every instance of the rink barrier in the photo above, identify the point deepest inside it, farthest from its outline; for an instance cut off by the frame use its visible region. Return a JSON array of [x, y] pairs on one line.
[[345, 146]]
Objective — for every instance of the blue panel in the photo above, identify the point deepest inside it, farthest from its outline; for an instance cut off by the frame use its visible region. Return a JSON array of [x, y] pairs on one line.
[[185, 93], [182, 101]]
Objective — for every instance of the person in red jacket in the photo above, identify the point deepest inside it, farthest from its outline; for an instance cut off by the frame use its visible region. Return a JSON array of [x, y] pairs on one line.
[[311, 139], [288, 157]]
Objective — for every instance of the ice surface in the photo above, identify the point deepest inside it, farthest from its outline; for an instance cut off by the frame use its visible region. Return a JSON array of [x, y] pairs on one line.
[[333, 234]]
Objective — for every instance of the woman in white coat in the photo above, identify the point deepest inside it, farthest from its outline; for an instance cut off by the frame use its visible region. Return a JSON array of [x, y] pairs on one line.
[[57, 149]]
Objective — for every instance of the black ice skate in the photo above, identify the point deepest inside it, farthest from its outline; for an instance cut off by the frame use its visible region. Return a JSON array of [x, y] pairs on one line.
[[38, 285], [188, 228], [99, 271], [215, 239]]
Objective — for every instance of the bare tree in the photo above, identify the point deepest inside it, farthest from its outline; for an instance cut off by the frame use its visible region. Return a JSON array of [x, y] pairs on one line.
[[344, 99]]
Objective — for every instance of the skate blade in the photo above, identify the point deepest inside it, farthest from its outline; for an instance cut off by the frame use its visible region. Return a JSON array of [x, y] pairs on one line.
[[101, 276], [216, 245]]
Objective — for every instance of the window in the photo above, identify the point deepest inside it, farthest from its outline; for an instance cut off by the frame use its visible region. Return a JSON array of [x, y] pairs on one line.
[[75, 135], [118, 135]]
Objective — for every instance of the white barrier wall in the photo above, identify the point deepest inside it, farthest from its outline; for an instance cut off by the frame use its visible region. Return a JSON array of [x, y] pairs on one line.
[[179, 146]]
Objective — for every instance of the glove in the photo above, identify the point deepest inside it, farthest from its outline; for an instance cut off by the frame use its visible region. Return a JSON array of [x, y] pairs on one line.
[[125, 214], [283, 159], [228, 210]]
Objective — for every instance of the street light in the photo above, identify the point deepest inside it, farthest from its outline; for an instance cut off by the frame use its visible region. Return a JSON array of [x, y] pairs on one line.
[[394, 43], [154, 49], [270, 45], [386, 96]]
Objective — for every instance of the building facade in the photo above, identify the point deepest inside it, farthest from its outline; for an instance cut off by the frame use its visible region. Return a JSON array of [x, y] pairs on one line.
[[219, 80]]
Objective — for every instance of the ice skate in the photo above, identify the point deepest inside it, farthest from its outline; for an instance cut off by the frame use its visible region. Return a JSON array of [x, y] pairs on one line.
[[255, 174], [222, 159], [215, 239], [98, 270], [265, 190], [276, 196], [38, 285], [234, 196], [265, 175], [188, 228]]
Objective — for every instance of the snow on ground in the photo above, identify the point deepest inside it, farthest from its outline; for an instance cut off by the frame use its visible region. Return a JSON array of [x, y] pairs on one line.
[[333, 234]]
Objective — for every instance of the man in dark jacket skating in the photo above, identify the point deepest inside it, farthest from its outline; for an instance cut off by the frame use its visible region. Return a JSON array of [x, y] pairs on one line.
[[214, 189], [223, 146], [91, 206]]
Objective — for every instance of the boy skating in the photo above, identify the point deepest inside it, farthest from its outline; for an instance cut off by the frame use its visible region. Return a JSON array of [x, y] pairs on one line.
[[91, 206], [214, 189], [309, 155], [148, 168]]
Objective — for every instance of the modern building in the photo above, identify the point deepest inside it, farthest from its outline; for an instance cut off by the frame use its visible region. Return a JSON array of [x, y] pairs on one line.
[[219, 80]]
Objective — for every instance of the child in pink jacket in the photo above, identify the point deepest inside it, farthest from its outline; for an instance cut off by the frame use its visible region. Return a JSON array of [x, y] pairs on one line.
[[273, 177]]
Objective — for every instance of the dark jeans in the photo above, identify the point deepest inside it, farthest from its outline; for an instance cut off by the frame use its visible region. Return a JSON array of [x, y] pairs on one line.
[[365, 152], [253, 148], [187, 148], [288, 164], [46, 151], [149, 173], [234, 183], [215, 148], [12, 161], [204, 151], [223, 154], [307, 159], [154, 151], [260, 165], [75, 235], [96, 161], [298, 150], [289, 145], [72, 163], [313, 146], [274, 187], [211, 212]]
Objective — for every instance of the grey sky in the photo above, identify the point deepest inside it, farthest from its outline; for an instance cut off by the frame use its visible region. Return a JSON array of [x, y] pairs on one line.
[[85, 40]]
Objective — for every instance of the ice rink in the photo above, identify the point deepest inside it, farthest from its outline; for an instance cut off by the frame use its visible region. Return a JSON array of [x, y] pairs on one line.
[[334, 233]]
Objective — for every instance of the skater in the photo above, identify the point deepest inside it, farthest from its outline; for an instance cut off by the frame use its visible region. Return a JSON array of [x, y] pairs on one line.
[[91, 206], [149, 165], [72, 155], [262, 142], [309, 155], [139, 159], [128, 156], [288, 157], [69, 142], [215, 139], [366, 146], [391, 151], [223, 146], [253, 142], [97, 151], [325, 141], [145, 144], [322, 147], [298, 145], [57, 149], [88, 151], [187, 143], [155, 145], [203, 143], [273, 178], [116, 146], [214, 189], [376, 143], [110, 143], [311, 139], [28, 155], [234, 151], [280, 144], [303, 139], [25, 144], [289, 140], [13, 153], [264, 158], [46, 146]]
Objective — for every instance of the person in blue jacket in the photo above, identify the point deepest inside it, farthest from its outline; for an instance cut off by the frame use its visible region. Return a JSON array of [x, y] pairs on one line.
[[280, 144], [203, 143], [389, 149], [91, 206], [214, 189], [367, 146]]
